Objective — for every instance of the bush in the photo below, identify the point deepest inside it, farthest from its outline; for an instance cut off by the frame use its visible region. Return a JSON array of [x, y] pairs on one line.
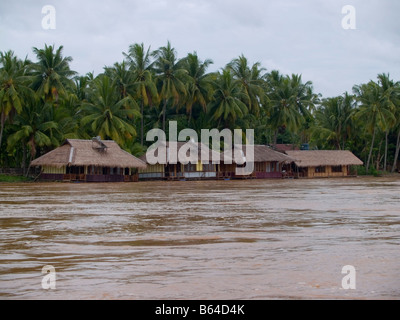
[[11, 178], [371, 172]]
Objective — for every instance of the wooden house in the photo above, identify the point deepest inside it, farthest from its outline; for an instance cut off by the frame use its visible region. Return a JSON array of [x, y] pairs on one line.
[[194, 169], [268, 164], [89, 161], [323, 163]]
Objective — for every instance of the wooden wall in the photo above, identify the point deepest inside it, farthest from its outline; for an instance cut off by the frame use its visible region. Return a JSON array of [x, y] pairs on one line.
[[54, 170], [315, 172]]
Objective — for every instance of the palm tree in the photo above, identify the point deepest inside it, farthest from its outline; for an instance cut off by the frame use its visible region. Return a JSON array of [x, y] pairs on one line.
[[122, 77], [35, 128], [68, 116], [373, 111], [291, 102], [107, 114], [198, 86], [51, 74], [251, 80], [144, 87], [13, 86], [334, 121], [227, 101], [170, 77], [80, 89], [388, 91], [396, 90]]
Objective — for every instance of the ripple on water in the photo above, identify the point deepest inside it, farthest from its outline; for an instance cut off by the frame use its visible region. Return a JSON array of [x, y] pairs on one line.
[[255, 239]]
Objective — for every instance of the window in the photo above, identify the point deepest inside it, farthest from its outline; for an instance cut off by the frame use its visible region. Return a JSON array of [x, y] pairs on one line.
[[209, 167], [337, 169], [260, 166], [190, 167], [272, 167], [320, 169], [76, 170]]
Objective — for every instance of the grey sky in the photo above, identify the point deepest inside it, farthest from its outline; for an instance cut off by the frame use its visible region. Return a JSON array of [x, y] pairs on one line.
[[294, 36]]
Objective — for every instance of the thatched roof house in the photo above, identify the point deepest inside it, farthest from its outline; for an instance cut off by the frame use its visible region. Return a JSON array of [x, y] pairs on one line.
[[315, 158], [85, 159], [268, 163], [324, 163], [200, 161]]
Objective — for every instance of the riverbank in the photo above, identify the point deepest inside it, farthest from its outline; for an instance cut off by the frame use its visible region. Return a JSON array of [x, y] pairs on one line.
[[13, 178], [10, 178]]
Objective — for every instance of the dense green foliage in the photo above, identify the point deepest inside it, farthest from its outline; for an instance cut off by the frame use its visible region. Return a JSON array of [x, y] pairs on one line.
[[12, 178], [42, 103]]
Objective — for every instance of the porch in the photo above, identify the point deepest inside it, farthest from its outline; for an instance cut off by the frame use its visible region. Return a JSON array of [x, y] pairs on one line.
[[70, 177]]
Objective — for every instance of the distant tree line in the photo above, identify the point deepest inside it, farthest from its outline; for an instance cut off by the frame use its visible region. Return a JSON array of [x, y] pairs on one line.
[[44, 102]]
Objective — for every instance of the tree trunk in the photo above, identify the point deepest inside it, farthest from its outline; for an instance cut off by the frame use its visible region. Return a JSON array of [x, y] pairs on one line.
[[29, 167], [2, 121], [190, 116], [164, 113], [396, 156], [142, 125], [386, 151], [370, 150], [379, 158], [275, 136], [23, 163]]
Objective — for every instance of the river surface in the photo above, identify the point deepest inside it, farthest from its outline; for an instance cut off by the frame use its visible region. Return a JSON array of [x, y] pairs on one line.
[[254, 239]]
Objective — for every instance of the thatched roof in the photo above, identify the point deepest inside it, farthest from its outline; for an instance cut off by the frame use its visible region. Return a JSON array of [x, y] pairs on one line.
[[105, 153], [266, 154], [261, 153], [316, 158], [284, 147]]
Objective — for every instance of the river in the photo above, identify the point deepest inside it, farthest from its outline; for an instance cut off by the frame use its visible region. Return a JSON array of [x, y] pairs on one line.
[[252, 239]]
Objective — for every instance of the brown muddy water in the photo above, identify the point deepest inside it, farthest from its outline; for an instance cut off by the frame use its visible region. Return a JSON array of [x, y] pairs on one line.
[[264, 239]]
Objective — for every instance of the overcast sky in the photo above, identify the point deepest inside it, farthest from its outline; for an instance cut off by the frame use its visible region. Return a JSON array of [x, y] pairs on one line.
[[293, 36]]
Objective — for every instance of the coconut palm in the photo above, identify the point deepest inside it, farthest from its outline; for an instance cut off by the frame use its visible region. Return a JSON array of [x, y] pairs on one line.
[[35, 128], [389, 93], [51, 74], [373, 111], [170, 78], [291, 102], [198, 85], [334, 121], [397, 115], [13, 86], [122, 77], [227, 101], [144, 87], [252, 81], [106, 114]]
